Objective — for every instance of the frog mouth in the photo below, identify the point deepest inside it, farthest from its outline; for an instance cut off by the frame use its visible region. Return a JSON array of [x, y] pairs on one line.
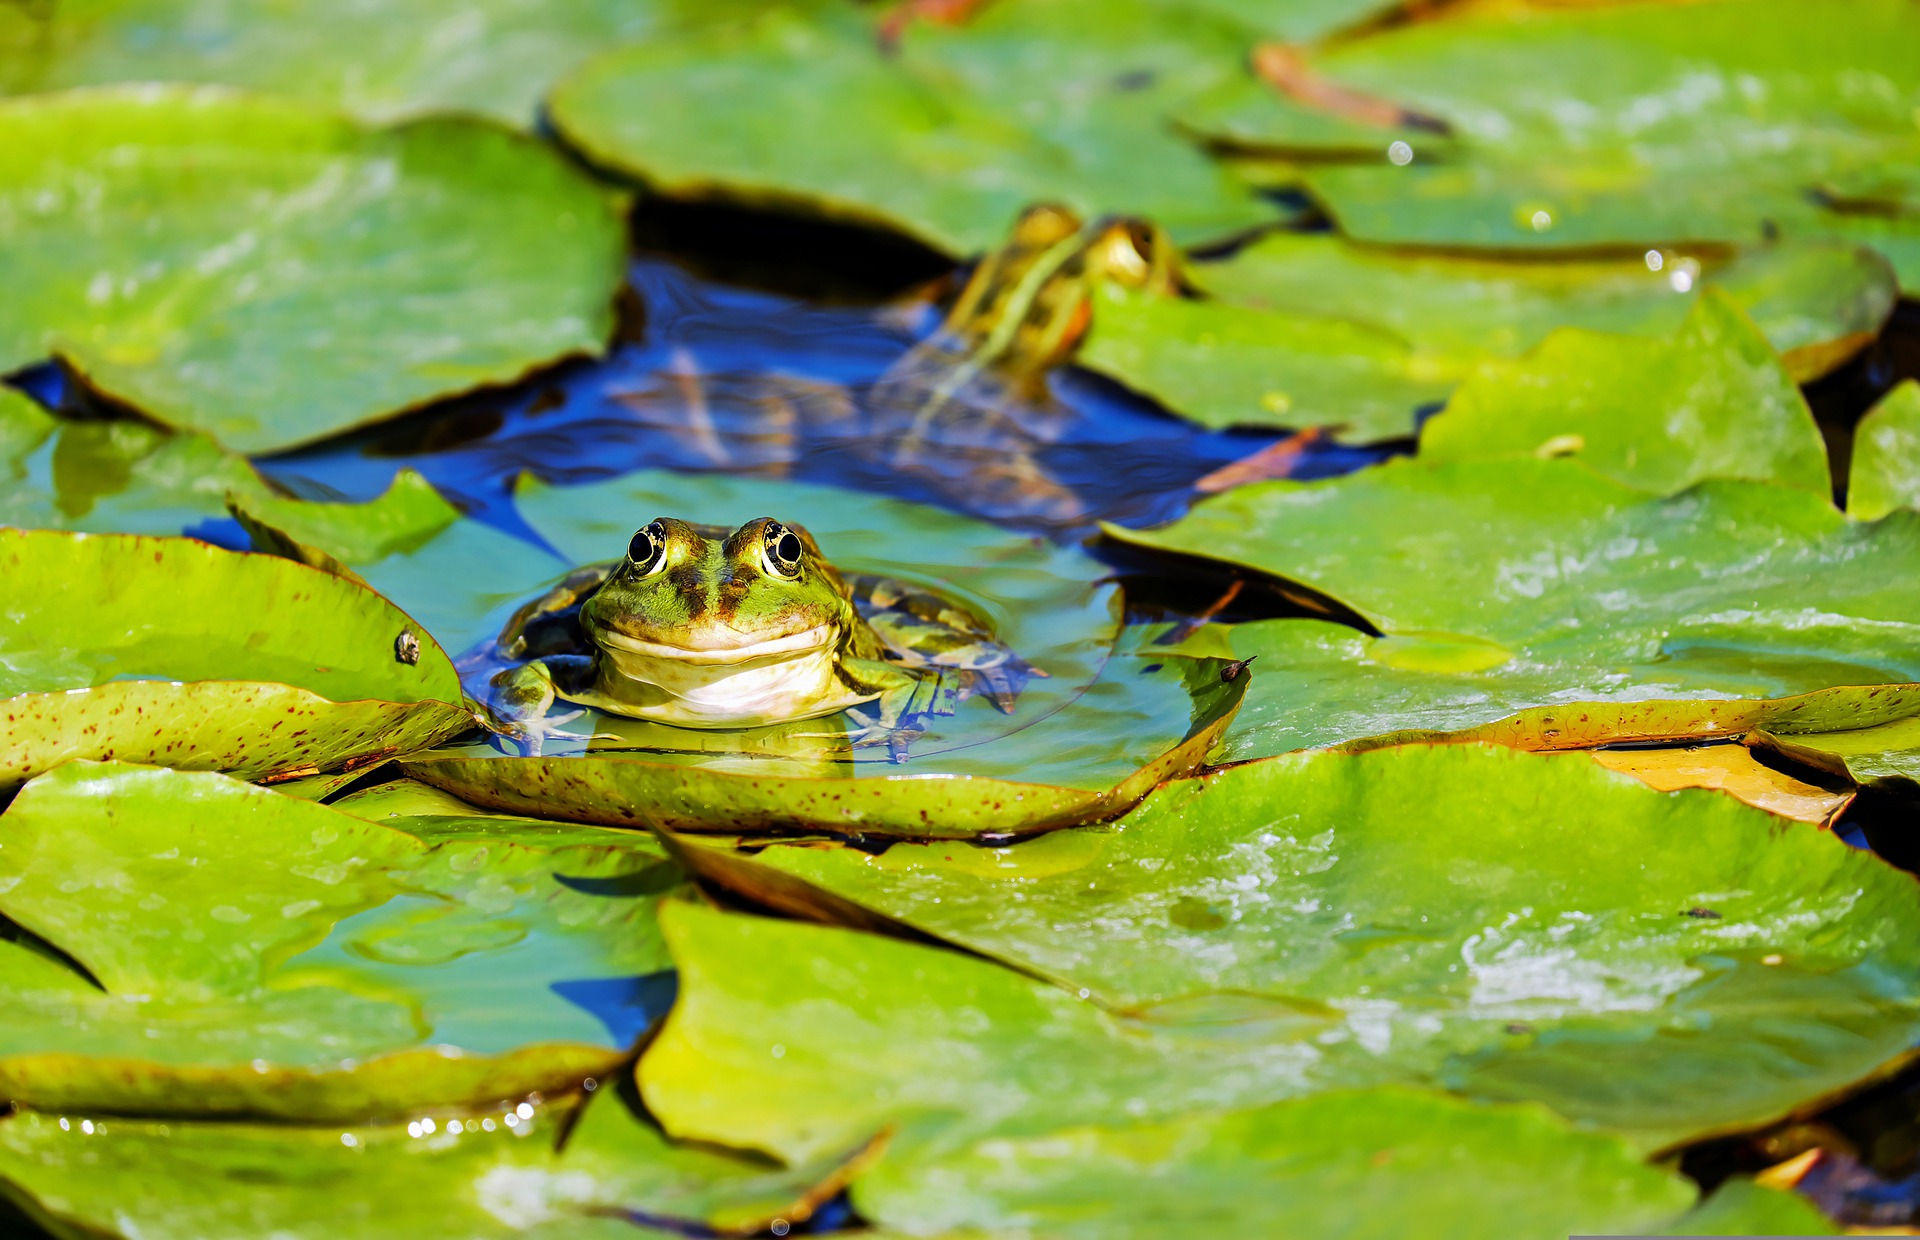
[[806, 641]]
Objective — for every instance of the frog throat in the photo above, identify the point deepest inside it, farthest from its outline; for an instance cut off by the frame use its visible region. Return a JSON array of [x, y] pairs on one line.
[[785, 678]]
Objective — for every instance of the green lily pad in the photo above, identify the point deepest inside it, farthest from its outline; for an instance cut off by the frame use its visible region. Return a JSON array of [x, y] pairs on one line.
[[327, 535], [1817, 302], [1223, 365], [496, 57], [262, 955], [1378, 1163], [178, 653], [1710, 401], [1620, 125], [111, 476], [1885, 472], [479, 1177], [1277, 929], [1511, 584], [946, 139], [1740, 1207], [271, 274]]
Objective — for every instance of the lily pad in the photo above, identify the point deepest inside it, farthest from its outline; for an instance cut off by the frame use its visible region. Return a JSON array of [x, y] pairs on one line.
[[946, 139], [496, 57], [1380, 1163], [1223, 365], [479, 1177], [1537, 585], [178, 653], [1885, 473], [111, 476], [1817, 302], [1279, 929], [254, 954], [1620, 125], [1710, 401], [272, 274], [326, 535]]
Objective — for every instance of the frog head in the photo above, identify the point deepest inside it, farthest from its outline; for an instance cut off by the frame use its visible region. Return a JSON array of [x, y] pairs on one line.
[[706, 594]]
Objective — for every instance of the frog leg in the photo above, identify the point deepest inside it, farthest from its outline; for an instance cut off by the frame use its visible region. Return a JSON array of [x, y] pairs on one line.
[[907, 695], [928, 632], [518, 699]]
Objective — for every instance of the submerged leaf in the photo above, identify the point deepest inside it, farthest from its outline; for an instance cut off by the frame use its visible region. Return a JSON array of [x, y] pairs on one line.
[[178, 653], [271, 274], [1711, 401], [1619, 615], [1538, 928]]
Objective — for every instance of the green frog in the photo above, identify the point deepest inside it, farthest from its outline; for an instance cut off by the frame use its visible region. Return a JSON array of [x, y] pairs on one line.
[[700, 626]]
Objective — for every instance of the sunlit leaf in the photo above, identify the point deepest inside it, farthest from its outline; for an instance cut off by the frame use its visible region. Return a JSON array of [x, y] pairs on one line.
[[1885, 473], [1502, 586], [1732, 769], [1710, 401], [946, 139], [262, 955], [272, 274], [178, 653], [1509, 925]]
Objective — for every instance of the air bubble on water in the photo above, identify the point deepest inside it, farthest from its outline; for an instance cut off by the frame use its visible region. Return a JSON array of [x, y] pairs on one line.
[[1400, 154]]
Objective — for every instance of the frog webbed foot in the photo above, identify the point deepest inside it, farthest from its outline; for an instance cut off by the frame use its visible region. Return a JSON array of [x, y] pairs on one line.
[[519, 700]]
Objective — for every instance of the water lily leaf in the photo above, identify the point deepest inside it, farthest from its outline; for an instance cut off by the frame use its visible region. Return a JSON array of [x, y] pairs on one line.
[[132, 647], [496, 57], [262, 955], [1885, 472], [1886, 752], [1620, 125], [271, 274], [1223, 365], [1741, 1207], [1379, 1163], [1732, 769], [1503, 586], [1277, 929], [326, 535], [1710, 401], [1817, 302], [947, 139], [478, 1177], [633, 791]]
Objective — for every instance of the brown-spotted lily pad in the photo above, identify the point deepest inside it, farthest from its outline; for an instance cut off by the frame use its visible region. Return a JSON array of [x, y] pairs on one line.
[[170, 651]]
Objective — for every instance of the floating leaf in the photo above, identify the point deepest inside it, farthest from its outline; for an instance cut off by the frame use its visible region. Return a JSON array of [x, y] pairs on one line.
[[1885, 473], [402, 518], [1381, 1163], [1224, 365], [1734, 770], [271, 274], [1506, 585], [1711, 401], [178, 653], [947, 139], [1817, 302], [495, 56], [1636, 125], [1452, 914], [263, 955], [480, 1177]]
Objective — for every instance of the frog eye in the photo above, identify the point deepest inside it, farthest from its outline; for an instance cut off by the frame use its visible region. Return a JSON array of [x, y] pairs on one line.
[[645, 551], [783, 550]]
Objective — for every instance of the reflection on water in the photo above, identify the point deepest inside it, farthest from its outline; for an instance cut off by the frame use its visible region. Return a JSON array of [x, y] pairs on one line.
[[710, 378]]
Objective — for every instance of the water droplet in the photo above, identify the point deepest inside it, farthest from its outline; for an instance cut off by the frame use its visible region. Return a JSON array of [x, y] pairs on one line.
[[1541, 221], [779, 1227], [453, 1127], [779, 1051], [413, 1128], [427, 1126], [1085, 993], [1400, 154], [1655, 260], [524, 1111], [349, 1140], [64, 1125], [86, 1126]]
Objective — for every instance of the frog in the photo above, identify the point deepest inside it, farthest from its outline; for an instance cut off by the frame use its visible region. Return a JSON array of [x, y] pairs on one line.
[[711, 627]]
